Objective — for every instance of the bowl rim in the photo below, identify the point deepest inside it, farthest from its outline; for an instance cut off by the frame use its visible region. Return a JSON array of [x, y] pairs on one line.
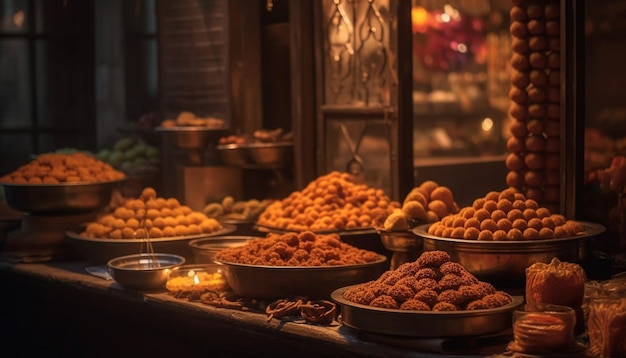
[[195, 243], [591, 229], [254, 145], [73, 234], [356, 231], [190, 129], [337, 296], [64, 184], [381, 260], [111, 263]]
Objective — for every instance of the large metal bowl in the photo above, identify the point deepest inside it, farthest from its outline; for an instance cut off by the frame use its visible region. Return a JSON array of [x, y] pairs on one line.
[[190, 137], [58, 199], [271, 282], [100, 250], [406, 323], [144, 272], [504, 263]]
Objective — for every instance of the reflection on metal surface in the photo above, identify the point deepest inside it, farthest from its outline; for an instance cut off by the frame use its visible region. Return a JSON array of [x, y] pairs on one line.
[[357, 55]]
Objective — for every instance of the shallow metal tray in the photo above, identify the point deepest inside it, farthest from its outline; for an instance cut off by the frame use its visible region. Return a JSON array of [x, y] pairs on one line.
[[504, 263], [101, 250], [424, 323], [266, 282]]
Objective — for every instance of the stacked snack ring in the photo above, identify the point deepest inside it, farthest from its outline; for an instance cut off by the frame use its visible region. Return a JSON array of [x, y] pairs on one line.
[[534, 145]]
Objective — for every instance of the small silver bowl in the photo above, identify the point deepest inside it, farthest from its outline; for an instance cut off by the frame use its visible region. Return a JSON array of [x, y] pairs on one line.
[[205, 249], [144, 272]]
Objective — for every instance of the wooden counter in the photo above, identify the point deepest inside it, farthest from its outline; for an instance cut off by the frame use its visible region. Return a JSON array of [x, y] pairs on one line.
[[58, 309]]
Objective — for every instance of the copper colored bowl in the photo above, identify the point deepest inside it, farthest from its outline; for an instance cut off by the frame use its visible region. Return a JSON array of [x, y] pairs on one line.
[[57, 199], [270, 282], [504, 263]]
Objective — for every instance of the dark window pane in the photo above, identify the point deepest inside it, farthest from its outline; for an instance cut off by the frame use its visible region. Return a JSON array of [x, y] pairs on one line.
[[15, 150], [67, 17], [140, 17], [50, 142], [15, 102], [141, 77], [13, 16], [65, 84]]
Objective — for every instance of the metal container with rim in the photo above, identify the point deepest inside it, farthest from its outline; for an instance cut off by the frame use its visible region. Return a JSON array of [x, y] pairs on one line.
[[408, 323], [504, 263]]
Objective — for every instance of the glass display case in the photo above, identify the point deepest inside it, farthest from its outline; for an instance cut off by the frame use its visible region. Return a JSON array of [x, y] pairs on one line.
[[461, 81], [461, 53]]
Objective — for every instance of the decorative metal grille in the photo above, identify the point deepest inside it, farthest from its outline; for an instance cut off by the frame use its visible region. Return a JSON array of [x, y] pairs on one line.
[[358, 61]]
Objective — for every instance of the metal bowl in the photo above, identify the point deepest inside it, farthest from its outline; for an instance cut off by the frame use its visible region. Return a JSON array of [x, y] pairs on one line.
[[406, 323], [233, 155], [58, 199], [190, 137], [270, 155], [270, 282], [258, 155], [400, 241], [101, 250], [405, 245], [145, 272], [504, 263], [204, 249]]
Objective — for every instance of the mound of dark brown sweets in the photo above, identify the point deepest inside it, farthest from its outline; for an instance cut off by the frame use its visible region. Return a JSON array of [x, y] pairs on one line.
[[430, 283]]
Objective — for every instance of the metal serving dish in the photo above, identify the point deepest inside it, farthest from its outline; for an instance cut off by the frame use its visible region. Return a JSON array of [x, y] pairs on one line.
[[425, 323], [58, 199], [145, 272], [190, 137], [405, 245], [270, 155], [101, 250], [205, 249], [401, 241], [233, 155], [261, 155], [504, 263], [270, 282]]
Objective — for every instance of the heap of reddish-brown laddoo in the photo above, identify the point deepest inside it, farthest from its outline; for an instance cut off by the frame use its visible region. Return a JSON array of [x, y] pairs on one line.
[[505, 216], [297, 249], [430, 283]]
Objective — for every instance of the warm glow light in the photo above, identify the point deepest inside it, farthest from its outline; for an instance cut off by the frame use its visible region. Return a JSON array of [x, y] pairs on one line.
[[462, 48], [487, 124], [18, 18], [445, 18], [419, 19]]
